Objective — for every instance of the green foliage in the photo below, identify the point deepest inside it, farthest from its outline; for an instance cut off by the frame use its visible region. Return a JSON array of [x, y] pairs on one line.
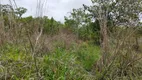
[[90, 32], [82, 24], [27, 19], [20, 11], [70, 23], [85, 21], [51, 26]]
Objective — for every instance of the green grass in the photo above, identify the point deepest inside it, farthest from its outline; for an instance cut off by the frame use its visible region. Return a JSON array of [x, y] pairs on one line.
[[87, 55], [73, 64], [61, 64], [15, 63]]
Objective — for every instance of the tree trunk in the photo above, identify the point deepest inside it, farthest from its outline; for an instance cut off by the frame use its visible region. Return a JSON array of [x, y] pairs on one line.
[[137, 44], [104, 41]]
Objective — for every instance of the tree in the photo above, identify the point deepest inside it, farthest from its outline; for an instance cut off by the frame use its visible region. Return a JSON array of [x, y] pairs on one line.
[[6, 9], [82, 23], [7, 14], [78, 17], [20, 11], [100, 11], [121, 12]]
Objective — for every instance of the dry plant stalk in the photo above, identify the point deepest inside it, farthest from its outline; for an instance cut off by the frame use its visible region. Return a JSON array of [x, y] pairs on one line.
[[123, 54]]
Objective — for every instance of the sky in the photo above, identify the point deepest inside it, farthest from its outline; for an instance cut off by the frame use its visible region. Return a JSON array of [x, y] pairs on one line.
[[53, 8]]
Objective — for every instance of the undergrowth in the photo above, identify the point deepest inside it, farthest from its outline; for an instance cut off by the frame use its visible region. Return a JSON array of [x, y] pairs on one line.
[[61, 64]]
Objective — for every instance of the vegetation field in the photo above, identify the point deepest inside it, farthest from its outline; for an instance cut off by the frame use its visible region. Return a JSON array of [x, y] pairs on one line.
[[102, 41]]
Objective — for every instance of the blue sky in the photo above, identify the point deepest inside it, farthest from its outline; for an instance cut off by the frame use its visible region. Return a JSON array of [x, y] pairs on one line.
[[53, 8]]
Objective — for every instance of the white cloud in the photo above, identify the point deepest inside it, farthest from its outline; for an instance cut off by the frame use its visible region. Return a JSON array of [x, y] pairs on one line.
[[53, 8]]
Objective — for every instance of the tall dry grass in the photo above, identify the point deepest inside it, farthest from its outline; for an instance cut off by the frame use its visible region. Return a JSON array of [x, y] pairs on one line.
[[124, 60]]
